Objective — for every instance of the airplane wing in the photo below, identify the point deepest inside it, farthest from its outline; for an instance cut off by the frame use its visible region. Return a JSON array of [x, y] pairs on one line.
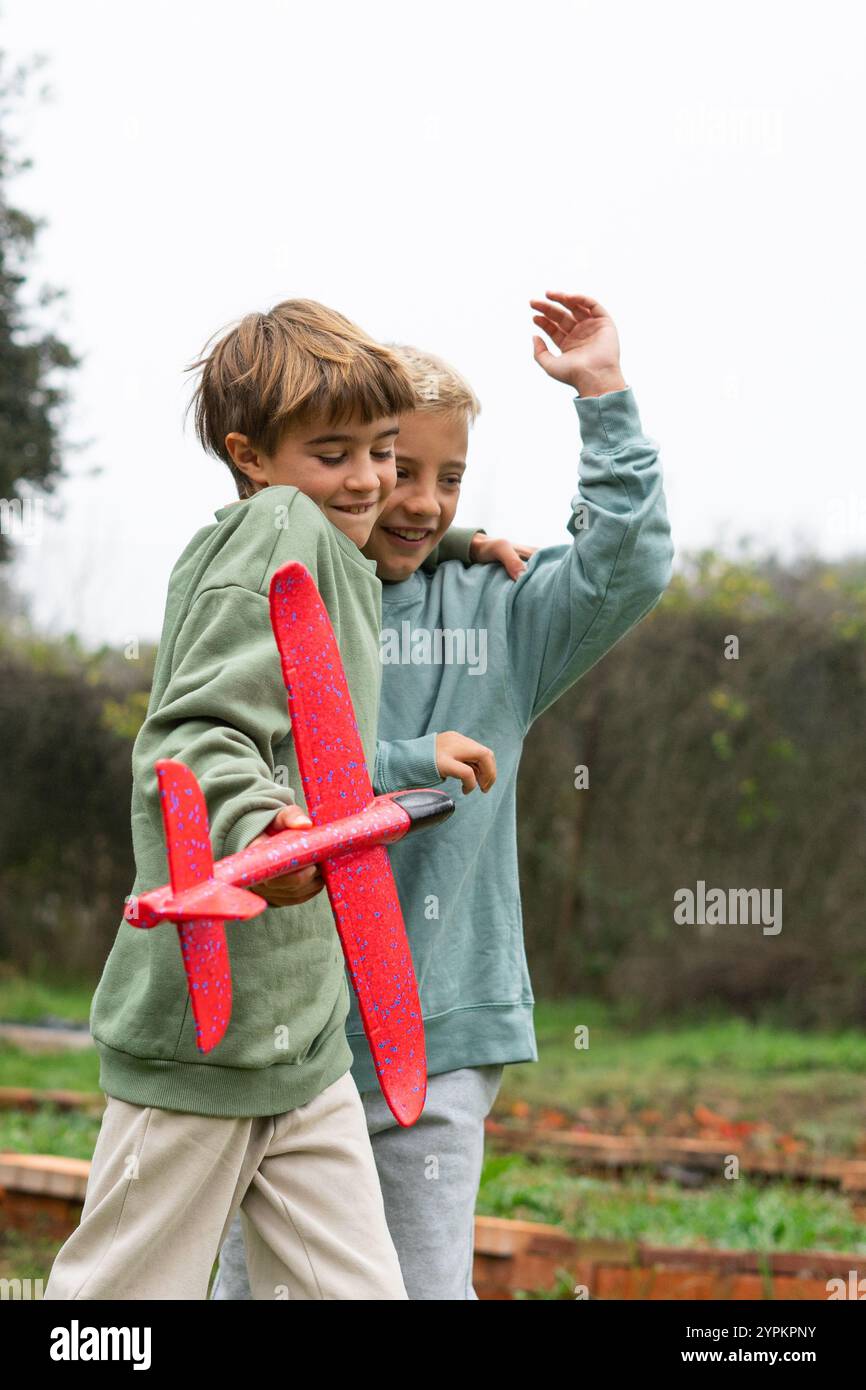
[[330, 753], [370, 923], [360, 886]]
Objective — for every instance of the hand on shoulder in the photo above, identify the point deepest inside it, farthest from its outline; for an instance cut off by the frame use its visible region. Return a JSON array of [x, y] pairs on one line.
[[495, 550]]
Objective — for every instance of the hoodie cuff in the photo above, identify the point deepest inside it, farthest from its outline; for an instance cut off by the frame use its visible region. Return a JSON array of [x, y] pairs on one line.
[[405, 763], [245, 829], [456, 542], [454, 545], [608, 422]]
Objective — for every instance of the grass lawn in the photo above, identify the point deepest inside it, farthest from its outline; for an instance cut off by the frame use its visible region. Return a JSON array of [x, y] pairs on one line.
[[733, 1215], [809, 1087], [29, 1001]]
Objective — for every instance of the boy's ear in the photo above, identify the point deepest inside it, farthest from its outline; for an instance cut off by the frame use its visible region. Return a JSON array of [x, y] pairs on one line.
[[245, 456]]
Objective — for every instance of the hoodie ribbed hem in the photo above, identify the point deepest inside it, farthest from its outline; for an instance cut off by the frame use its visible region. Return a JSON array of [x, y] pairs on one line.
[[480, 1036], [223, 1092]]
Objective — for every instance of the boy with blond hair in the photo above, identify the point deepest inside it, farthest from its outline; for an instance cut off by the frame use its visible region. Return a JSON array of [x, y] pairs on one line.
[[541, 625], [303, 407]]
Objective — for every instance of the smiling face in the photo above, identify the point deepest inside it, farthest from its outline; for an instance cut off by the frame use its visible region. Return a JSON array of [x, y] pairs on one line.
[[348, 470], [431, 460]]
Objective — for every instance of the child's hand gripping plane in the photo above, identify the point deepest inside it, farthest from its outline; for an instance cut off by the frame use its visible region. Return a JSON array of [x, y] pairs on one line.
[[351, 827]]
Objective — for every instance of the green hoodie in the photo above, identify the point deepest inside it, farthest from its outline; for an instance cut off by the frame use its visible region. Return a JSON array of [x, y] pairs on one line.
[[218, 704]]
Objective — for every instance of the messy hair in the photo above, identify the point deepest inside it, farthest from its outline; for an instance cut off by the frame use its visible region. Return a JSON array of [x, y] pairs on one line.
[[274, 372], [439, 387]]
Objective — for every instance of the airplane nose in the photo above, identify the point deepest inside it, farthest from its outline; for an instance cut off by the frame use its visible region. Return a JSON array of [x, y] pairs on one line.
[[424, 807]]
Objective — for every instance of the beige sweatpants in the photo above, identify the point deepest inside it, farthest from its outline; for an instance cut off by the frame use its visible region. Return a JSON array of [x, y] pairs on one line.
[[165, 1186]]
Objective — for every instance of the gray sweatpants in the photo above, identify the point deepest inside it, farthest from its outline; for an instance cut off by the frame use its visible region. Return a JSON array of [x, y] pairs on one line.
[[429, 1175]]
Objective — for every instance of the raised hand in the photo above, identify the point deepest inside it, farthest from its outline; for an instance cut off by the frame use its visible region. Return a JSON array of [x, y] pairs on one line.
[[588, 343]]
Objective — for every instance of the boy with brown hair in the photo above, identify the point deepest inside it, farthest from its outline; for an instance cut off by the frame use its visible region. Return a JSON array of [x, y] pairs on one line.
[[303, 407]]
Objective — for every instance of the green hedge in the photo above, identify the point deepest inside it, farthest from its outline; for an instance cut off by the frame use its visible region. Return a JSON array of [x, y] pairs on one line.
[[741, 773]]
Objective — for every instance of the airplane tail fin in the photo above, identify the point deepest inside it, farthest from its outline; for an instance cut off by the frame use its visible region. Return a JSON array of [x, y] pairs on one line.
[[184, 818], [199, 904]]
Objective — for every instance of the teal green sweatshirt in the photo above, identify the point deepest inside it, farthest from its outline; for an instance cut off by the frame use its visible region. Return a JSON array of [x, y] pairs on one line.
[[218, 704], [472, 650]]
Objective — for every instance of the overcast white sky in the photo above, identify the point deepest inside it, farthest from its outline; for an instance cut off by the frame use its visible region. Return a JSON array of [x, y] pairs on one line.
[[426, 169]]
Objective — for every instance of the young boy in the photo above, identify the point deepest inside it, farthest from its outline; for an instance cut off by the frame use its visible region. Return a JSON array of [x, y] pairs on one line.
[[304, 409], [540, 631]]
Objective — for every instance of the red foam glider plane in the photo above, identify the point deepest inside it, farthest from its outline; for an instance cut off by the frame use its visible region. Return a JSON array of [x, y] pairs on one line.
[[351, 827]]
